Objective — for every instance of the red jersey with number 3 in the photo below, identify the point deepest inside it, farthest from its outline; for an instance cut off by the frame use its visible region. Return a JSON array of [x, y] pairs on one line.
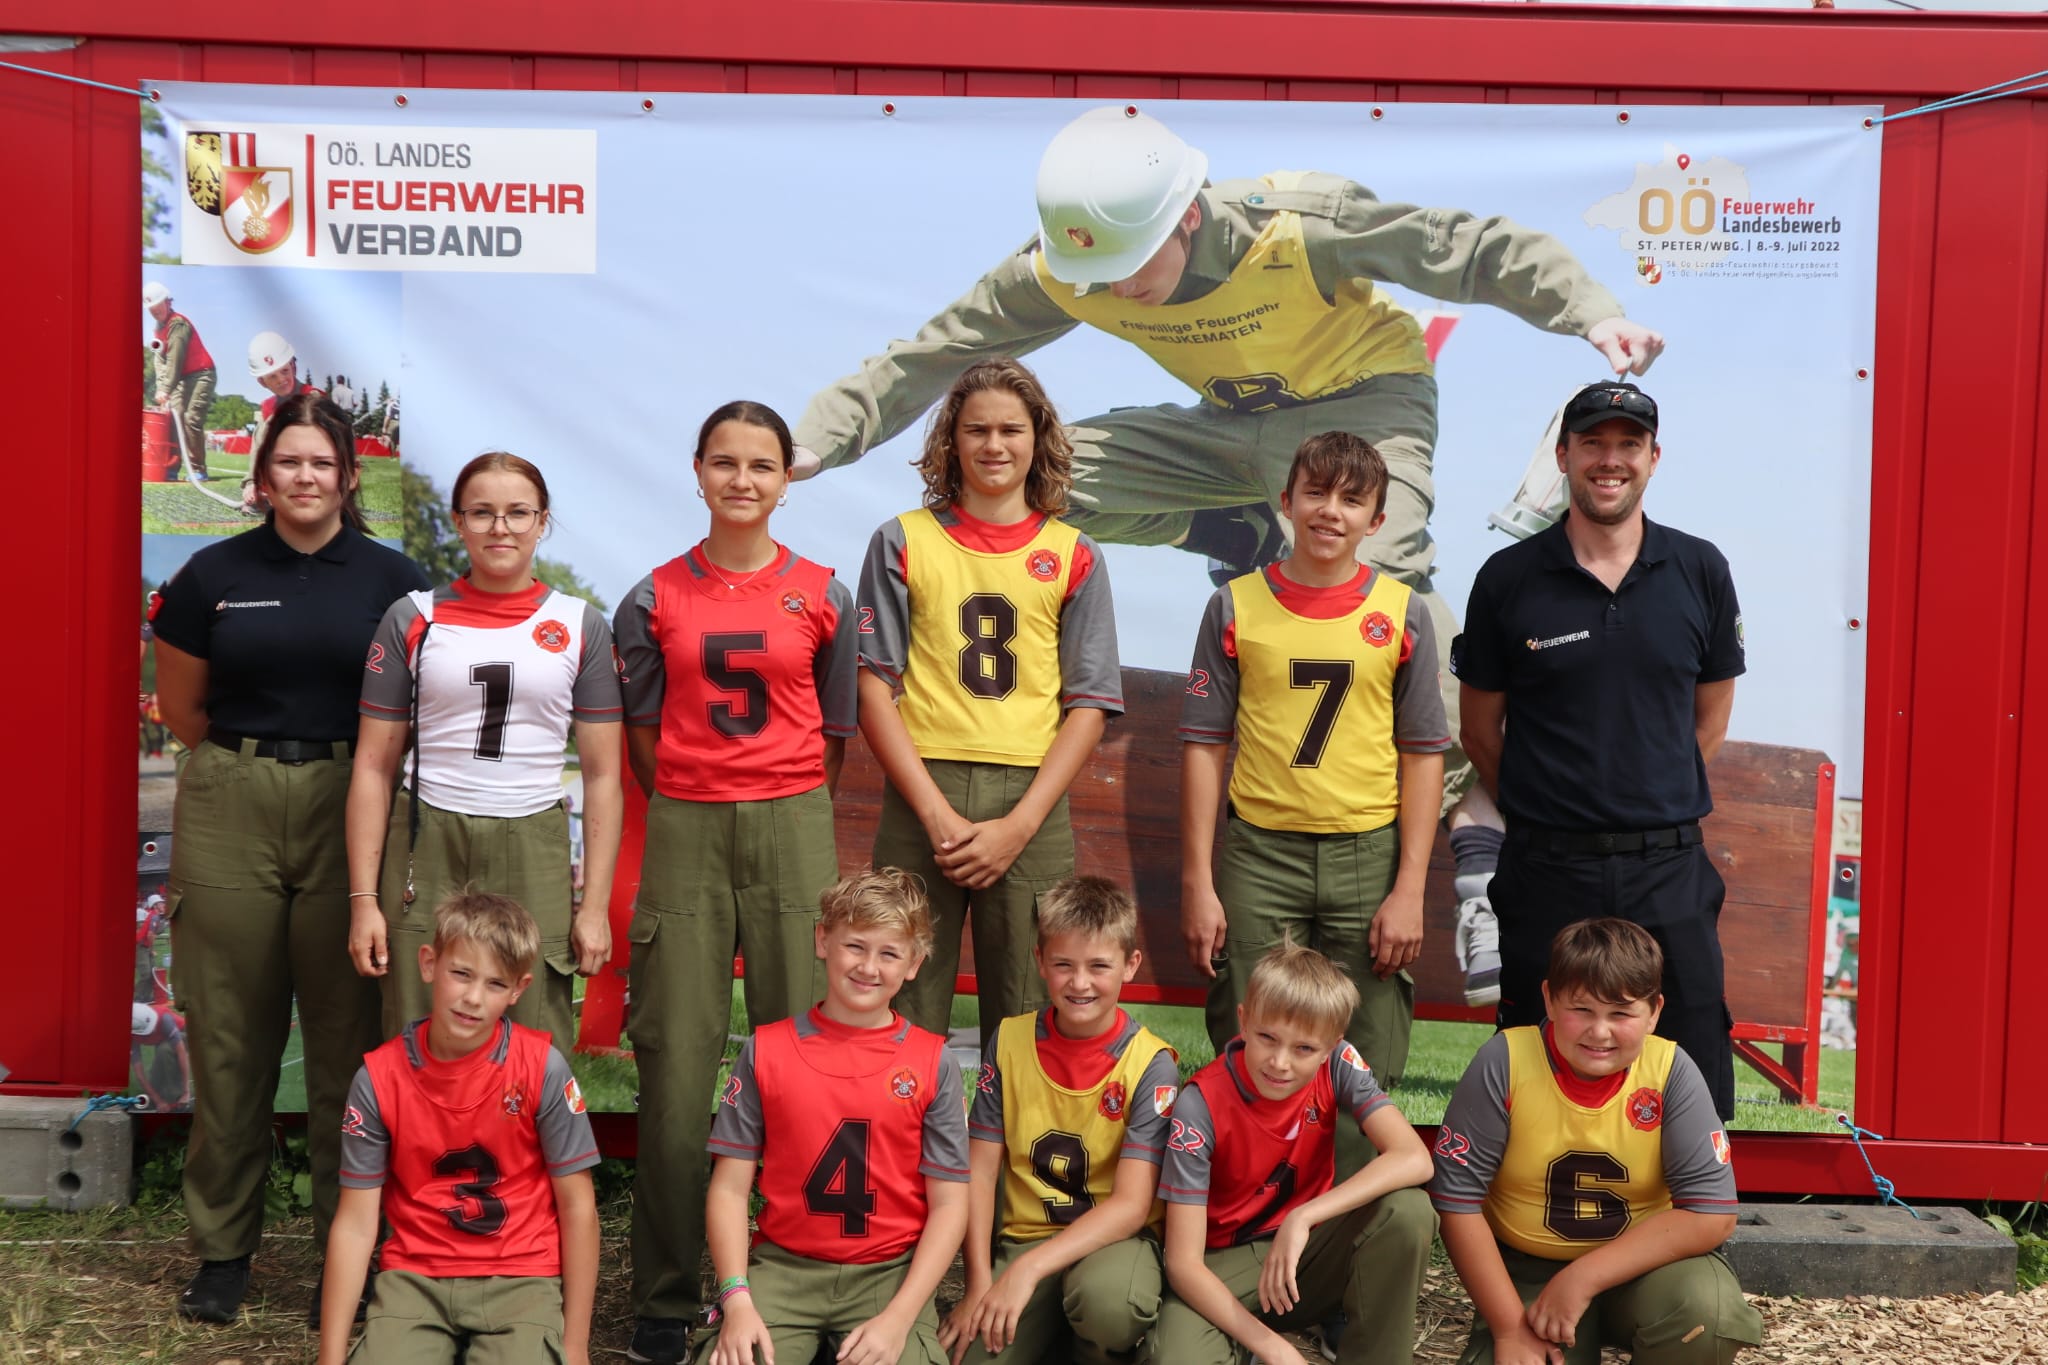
[[843, 1119], [468, 1191], [740, 717]]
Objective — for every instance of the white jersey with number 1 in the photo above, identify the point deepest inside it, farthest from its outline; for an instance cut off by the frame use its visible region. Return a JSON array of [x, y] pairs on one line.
[[500, 677]]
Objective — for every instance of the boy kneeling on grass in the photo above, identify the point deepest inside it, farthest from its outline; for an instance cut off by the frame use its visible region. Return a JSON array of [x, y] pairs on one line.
[[856, 1120], [1583, 1176], [1066, 1135], [1260, 1240], [478, 1129]]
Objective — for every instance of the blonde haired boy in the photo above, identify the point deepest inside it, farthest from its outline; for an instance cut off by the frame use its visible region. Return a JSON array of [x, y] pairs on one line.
[[477, 1128], [1260, 1238], [854, 1119], [1066, 1135]]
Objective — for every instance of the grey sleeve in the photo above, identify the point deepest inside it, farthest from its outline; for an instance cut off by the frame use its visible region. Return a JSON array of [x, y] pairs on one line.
[[1090, 672], [1697, 1169], [387, 673], [1191, 1133], [1458, 256], [1150, 1110], [365, 1145], [643, 672], [985, 1117], [1474, 1134], [595, 697], [566, 1141], [1356, 1089], [944, 1153], [1007, 312], [883, 606], [836, 666], [1478, 655], [1208, 711], [737, 1127], [1420, 725]]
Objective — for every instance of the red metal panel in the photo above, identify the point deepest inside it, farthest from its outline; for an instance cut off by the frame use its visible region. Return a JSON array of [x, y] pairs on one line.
[[475, 71], [1963, 737], [2025, 1093]]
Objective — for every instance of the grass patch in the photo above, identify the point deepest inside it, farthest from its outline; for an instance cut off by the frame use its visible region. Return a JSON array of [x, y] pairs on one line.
[[180, 509]]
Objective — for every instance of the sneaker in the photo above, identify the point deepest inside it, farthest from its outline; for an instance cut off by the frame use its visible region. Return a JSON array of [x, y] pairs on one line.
[[320, 1290], [215, 1293], [1326, 1334], [660, 1341], [1477, 942]]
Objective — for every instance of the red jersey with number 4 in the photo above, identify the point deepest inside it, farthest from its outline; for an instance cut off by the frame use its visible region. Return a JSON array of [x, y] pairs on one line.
[[843, 1122], [469, 1151], [740, 717]]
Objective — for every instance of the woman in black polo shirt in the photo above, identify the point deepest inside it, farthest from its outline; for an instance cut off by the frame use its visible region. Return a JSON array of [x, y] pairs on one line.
[[260, 642]]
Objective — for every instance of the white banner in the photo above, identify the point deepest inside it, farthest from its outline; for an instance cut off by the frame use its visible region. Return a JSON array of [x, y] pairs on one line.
[[773, 247]]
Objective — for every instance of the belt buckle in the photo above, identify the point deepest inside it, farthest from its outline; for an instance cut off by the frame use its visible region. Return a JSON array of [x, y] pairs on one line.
[[1606, 842]]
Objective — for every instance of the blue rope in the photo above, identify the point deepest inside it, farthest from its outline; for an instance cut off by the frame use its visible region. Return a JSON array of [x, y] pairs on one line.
[[75, 80], [99, 1102], [1990, 92], [1886, 1191]]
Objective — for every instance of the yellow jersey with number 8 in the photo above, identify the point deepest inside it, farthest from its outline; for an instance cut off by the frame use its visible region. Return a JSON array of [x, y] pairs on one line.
[[982, 681]]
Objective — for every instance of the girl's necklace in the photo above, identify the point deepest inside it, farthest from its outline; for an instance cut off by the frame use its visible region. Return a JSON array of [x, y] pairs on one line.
[[731, 586]]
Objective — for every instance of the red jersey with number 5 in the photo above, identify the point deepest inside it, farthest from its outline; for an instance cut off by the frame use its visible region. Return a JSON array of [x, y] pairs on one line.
[[745, 670], [846, 1123], [466, 1151]]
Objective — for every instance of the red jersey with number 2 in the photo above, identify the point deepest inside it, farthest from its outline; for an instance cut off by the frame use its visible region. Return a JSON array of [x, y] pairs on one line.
[[740, 719], [1265, 1156], [843, 1117]]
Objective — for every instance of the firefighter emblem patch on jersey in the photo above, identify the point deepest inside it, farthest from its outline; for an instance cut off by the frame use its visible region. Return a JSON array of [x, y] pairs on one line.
[[794, 603], [1720, 1141], [1163, 1097], [513, 1101], [903, 1083], [1348, 1055], [1311, 1115], [1043, 565], [573, 1093], [1112, 1103], [1646, 1109], [1377, 629], [551, 636]]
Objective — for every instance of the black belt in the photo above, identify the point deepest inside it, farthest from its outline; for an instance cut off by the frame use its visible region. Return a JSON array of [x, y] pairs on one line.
[[285, 750], [1572, 841]]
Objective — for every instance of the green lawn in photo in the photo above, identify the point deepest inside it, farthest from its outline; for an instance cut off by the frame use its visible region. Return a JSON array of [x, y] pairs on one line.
[[180, 509]]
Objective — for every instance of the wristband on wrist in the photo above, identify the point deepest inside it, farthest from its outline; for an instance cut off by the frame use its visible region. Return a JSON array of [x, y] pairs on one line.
[[354, 894]]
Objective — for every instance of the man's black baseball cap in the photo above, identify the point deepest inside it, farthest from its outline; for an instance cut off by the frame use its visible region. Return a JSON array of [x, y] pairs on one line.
[[1597, 403]]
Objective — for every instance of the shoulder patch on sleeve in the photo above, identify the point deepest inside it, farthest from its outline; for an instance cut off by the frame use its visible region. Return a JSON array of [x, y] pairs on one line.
[[1163, 1097]]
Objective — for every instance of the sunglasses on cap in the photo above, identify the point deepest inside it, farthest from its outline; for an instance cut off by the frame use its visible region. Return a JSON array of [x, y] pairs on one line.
[[1597, 403]]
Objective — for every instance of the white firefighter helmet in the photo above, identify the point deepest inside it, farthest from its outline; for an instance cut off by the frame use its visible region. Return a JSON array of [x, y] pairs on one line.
[[1112, 186], [268, 352], [154, 293]]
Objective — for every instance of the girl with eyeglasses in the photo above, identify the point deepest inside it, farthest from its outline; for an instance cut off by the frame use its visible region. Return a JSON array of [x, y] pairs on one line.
[[740, 659], [469, 693]]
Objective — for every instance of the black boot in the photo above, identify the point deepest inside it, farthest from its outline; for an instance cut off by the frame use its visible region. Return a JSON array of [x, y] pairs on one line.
[[215, 1294]]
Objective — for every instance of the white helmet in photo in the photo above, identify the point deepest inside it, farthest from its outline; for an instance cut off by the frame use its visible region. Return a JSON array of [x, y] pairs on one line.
[[1112, 186], [154, 293], [141, 1020], [268, 352]]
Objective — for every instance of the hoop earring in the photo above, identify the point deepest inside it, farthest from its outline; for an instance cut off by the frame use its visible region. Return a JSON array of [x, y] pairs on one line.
[[700, 492], [782, 501]]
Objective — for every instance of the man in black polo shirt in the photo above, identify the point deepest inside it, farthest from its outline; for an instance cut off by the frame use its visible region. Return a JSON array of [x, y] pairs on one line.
[[1596, 672]]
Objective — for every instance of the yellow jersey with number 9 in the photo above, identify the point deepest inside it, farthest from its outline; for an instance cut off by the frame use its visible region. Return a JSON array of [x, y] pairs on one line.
[[1061, 1146], [1574, 1178], [1266, 337], [1315, 714], [982, 677]]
